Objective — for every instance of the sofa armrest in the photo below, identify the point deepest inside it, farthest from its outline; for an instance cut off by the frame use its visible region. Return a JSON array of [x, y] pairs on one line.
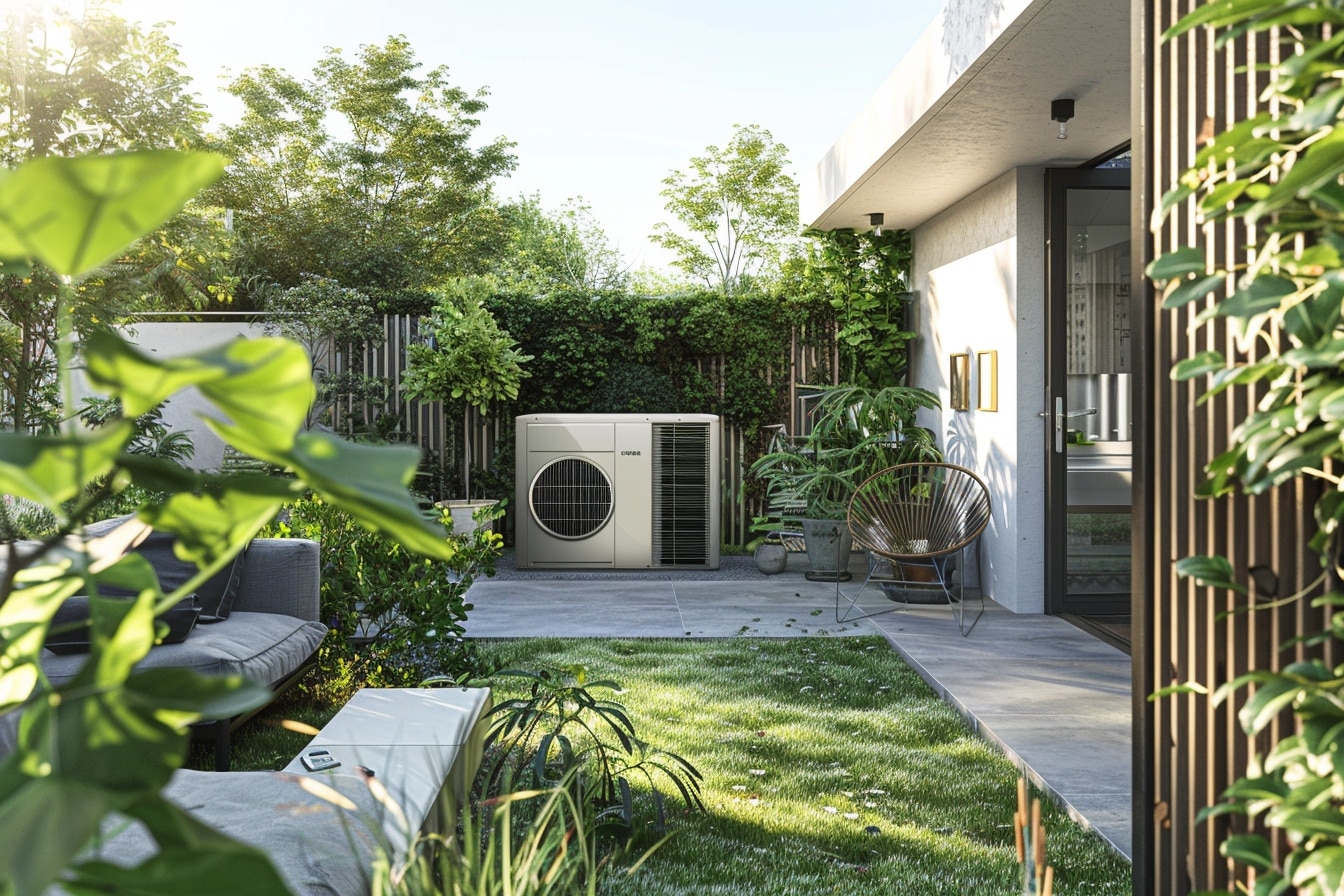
[[281, 575]]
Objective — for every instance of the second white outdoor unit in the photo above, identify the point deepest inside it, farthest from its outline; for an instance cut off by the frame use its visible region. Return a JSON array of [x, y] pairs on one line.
[[617, 491]]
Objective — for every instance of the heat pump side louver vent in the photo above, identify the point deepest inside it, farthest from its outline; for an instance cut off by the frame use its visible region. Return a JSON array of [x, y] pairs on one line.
[[681, 494], [571, 498]]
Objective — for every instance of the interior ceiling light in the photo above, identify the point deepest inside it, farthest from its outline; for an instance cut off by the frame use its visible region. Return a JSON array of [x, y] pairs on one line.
[[1061, 111], [875, 220]]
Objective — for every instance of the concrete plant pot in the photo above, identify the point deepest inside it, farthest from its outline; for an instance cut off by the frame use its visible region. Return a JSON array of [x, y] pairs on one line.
[[771, 557], [463, 513], [828, 546]]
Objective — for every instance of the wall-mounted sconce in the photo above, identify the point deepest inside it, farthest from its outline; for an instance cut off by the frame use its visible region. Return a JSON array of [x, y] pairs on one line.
[[987, 381], [1061, 111], [959, 381], [875, 220]]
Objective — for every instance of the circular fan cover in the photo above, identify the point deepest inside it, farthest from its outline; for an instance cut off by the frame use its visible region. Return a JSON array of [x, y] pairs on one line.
[[571, 497]]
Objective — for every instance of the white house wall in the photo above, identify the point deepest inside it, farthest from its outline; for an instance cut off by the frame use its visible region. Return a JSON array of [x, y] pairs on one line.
[[979, 275], [185, 411]]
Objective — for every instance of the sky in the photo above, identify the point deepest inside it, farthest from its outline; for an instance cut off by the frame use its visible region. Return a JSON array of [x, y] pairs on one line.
[[602, 97]]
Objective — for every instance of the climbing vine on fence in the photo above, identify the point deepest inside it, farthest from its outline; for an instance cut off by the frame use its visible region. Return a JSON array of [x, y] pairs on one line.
[[1280, 172], [696, 353], [864, 278]]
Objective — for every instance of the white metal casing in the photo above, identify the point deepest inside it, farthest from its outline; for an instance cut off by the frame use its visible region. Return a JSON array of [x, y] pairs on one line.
[[643, 514]]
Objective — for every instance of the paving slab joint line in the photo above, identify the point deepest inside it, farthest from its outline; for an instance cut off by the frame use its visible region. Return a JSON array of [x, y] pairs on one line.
[[676, 602]]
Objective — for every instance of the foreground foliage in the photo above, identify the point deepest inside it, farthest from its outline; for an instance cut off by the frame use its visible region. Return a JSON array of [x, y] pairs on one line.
[[108, 740], [562, 732], [394, 616], [1283, 310]]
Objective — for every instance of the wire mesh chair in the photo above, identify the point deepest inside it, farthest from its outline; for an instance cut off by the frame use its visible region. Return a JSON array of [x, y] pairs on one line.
[[921, 518]]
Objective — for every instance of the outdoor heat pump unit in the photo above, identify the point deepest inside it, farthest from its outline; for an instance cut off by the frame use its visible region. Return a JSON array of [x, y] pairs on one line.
[[618, 491]]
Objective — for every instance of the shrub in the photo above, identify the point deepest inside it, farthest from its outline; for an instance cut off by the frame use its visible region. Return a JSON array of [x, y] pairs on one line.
[[395, 616]]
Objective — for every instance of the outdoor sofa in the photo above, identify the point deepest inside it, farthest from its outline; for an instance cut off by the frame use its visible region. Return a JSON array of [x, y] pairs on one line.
[[270, 634]]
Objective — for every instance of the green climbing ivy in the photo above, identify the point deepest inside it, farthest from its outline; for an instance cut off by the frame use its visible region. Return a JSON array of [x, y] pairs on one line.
[[864, 277]]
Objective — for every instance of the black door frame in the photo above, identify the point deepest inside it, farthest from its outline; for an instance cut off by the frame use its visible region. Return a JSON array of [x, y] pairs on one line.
[[1058, 182]]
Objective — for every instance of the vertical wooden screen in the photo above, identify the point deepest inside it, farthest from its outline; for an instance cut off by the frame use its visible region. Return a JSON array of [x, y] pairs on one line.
[[1185, 751]]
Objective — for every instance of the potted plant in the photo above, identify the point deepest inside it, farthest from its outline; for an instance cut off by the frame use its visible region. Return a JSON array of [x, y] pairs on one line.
[[855, 432], [465, 360]]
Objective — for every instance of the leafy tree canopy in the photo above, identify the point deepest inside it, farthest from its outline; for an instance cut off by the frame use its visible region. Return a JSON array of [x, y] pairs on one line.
[[738, 207], [93, 83], [565, 250], [363, 173]]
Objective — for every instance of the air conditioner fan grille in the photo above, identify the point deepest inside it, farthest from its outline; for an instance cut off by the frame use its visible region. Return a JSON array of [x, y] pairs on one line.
[[571, 498]]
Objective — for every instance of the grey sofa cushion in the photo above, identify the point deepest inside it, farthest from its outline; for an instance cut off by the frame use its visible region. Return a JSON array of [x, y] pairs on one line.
[[261, 646], [215, 595], [281, 575]]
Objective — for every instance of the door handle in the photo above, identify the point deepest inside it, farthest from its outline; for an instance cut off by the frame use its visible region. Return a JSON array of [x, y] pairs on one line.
[[1061, 420]]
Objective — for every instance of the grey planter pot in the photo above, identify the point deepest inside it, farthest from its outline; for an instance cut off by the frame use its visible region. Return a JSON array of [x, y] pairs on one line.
[[828, 546], [771, 558]]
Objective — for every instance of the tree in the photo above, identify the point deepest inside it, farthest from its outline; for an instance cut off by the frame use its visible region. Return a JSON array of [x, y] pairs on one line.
[[404, 201], [327, 319], [740, 206], [565, 250], [468, 362], [91, 84]]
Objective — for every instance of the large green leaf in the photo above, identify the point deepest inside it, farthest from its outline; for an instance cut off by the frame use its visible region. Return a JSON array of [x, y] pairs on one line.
[[1222, 12], [1179, 263], [1212, 572], [1264, 293], [44, 826], [197, 696], [24, 617], [194, 858], [54, 469], [214, 525], [1182, 292], [1249, 849], [264, 387], [1325, 866], [1320, 163], [75, 214], [369, 481], [224, 868], [1200, 364]]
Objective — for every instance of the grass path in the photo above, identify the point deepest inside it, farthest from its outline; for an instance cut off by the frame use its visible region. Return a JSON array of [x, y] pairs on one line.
[[829, 766]]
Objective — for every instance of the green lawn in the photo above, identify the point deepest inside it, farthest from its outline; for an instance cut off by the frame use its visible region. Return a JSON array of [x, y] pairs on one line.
[[829, 767]]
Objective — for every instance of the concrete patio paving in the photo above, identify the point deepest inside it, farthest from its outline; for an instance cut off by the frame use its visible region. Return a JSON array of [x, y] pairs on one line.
[[1055, 699]]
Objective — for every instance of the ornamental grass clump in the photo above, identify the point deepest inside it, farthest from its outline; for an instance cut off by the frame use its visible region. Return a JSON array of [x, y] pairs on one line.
[[560, 730]]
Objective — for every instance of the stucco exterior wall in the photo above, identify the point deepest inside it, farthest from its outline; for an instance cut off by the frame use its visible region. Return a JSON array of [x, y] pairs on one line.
[[979, 281]]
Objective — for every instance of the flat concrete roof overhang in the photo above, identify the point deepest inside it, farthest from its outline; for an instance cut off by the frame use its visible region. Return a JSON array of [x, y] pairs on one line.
[[971, 101]]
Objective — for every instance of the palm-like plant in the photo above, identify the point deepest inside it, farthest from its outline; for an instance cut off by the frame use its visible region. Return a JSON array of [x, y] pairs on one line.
[[561, 730], [855, 432]]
